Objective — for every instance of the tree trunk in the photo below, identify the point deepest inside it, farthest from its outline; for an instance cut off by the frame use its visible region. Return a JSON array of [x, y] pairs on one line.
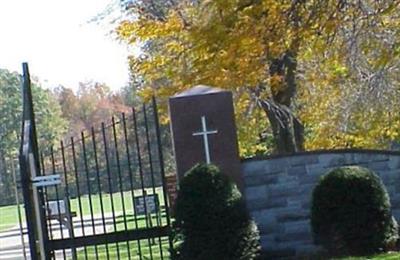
[[287, 129]]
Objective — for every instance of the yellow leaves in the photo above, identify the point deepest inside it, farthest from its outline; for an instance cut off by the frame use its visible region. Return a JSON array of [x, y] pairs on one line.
[[330, 119], [143, 29], [340, 70], [391, 8], [331, 25], [146, 94], [174, 47], [392, 134], [383, 59], [250, 123], [230, 44], [174, 25], [125, 29], [276, 83], [330, 123]]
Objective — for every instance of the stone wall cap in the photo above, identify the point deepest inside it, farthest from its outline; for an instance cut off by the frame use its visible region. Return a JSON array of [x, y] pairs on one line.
[[199, 90], [318, 152]]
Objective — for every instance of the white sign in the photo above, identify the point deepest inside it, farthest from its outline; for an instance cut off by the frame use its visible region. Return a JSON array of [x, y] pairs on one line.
[[48, 180], [54, 206], [205, 134], [152, 204]]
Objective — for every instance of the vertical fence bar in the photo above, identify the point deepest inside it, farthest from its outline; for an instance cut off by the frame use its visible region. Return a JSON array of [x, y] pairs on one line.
[[103, 129], [29, 161], [24, 163], [68, 204], [29, 209], [89, 189], [39, 202], [139, 158], [28, 113], [146, 123], [161, 159], [78, 191], [21, 230], [58, 200], [96, 161], [50, 229], [120, 182], [131, 179], [26, 191]]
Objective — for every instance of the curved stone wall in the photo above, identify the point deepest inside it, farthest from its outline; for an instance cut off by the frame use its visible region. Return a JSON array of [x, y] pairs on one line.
[[278, 192]]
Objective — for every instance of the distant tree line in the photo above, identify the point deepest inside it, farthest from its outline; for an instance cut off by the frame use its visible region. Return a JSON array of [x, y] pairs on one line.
[[62, 113]]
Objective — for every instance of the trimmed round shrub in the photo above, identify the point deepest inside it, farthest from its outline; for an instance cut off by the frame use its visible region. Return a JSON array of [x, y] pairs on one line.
[[211, 218], [351, 213]]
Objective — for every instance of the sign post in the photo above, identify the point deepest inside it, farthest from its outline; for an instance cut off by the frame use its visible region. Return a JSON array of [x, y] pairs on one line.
[[147, 205]]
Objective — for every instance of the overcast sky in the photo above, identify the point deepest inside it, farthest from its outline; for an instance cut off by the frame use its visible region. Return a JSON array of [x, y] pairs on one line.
[[59, 43]]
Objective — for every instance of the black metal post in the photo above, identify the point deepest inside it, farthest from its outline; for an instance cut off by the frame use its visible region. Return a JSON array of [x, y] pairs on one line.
[[139, 158], [161, 158], [110, 188], [96, 160], [29, 146], [146, 124], [132, 187]]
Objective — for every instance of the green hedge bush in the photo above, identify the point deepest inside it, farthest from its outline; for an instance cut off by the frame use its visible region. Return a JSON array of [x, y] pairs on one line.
[[351, 213], [211, 218]]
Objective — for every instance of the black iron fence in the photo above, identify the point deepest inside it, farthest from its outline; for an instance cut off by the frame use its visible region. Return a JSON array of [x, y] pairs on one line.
[[101, 195], [13, 240]]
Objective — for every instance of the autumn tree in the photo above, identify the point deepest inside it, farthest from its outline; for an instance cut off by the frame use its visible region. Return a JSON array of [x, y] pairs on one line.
[[272, 54], [359, 77], [90, 105]]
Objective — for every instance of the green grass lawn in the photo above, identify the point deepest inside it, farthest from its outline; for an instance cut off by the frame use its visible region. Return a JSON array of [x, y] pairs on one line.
[[106, 199], [147, 249], [385, 256], [9, 214]]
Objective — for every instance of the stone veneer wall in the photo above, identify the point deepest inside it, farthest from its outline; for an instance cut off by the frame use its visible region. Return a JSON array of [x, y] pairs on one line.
[[278, 192]]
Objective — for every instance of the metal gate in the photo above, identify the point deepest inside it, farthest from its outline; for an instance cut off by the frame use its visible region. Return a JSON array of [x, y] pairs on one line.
[[101, 195]]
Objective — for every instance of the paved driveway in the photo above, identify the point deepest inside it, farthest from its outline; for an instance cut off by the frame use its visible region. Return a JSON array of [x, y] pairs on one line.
[[11, 247]]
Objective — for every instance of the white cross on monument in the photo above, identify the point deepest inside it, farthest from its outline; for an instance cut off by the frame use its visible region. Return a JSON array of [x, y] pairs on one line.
[[204, 132]]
